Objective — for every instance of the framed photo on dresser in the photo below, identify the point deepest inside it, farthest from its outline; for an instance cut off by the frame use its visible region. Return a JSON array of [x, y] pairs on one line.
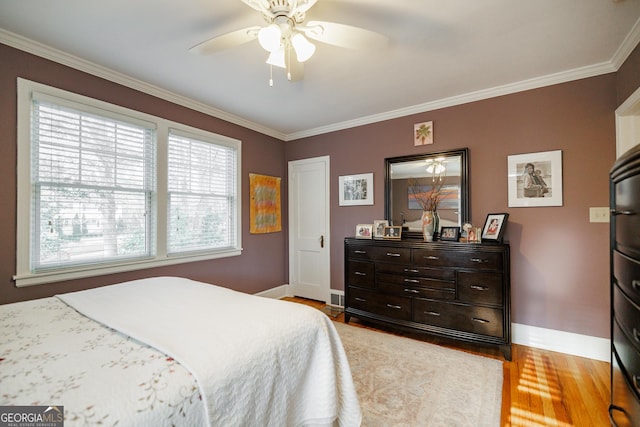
[[494, 227]]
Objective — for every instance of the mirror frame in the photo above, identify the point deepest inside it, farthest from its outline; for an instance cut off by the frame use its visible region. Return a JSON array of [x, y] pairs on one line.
[[465, 213]]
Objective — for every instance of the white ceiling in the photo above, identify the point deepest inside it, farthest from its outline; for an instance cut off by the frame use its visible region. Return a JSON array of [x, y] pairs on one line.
[[441, 52]]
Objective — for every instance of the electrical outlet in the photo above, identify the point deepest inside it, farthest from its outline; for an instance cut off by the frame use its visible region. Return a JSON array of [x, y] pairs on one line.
[[598, 214]]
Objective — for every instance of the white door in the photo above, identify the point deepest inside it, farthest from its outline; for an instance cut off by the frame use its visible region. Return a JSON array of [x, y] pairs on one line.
[[309, 260]]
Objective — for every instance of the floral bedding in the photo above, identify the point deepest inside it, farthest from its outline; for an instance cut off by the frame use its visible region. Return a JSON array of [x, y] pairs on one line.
[[52, 355]]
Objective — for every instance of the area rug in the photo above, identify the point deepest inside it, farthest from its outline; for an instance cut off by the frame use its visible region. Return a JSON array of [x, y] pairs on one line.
[[405, 382]]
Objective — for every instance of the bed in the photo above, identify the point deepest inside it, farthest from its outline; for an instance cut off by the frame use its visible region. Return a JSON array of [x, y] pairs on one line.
[[172, 351]]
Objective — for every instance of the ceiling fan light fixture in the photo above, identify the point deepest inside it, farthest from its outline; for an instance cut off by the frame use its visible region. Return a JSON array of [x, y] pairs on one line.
[[269, 37], [303, 47], [277, 58]]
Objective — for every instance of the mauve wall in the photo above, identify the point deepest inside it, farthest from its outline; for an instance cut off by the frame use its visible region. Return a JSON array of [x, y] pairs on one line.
[[262, 264], [628, 76], [559, 260]]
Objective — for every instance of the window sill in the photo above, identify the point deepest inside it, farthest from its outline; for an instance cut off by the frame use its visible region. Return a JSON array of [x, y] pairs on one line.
[[31, 279]]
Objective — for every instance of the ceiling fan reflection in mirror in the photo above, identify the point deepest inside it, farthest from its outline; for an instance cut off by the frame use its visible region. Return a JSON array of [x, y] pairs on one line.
[[285, 34]]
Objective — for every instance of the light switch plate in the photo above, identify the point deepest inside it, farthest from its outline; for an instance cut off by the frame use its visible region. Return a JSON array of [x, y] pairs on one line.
[[599, 214]]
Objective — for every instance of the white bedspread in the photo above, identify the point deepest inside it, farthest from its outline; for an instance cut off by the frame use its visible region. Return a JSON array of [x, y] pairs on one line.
[[257, 361]]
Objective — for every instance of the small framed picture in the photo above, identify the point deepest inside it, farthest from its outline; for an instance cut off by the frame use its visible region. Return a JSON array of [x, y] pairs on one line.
[[494, 227], [356, 189], [393, 232], [451, 234], [378, 227], [364, 231]]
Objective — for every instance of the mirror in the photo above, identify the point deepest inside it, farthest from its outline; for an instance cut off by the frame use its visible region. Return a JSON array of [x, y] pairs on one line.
[[406, 176]]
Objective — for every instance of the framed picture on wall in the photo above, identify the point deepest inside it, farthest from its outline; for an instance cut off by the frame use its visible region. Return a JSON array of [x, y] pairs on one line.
[[356, 189], [535, 179]]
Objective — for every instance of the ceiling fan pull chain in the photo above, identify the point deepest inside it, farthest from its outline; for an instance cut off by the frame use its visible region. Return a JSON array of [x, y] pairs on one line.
[[270, 75]]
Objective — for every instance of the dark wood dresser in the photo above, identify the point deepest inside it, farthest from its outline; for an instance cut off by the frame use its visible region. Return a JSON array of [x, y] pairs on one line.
[[451, 289], [625, 290]]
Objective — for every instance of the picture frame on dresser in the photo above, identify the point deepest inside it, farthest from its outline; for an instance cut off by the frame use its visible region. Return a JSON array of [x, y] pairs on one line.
[[378, 227], [451, 234], [393, 232], [494, 226], [364, 231]]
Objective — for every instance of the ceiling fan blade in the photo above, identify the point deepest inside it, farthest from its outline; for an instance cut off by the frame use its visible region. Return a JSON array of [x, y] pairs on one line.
[[226, 41], [344, 35], [304, 5]]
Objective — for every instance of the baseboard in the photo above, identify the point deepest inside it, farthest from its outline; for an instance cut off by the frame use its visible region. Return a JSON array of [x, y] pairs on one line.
[[563, 342], [275, 293]]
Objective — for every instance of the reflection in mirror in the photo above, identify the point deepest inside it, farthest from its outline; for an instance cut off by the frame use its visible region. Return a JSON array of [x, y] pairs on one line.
[[411, 176]]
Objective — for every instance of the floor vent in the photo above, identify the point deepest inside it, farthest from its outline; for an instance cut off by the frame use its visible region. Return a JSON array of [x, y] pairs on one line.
[[337, 299]]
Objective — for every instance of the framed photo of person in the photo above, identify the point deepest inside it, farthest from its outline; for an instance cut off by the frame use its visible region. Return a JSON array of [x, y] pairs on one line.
[[494, 227], [364, 231], [393, 232], [378, 227], [451, 234]]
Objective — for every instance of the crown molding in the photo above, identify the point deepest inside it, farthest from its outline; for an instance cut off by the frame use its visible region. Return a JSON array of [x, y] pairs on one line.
[[538, 82], [47, 52]]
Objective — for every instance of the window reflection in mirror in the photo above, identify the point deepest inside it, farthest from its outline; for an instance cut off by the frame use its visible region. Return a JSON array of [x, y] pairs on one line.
[[408, 177]]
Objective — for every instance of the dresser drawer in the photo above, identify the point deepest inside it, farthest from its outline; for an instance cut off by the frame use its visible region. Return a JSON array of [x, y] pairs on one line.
[[628, 316], [626, 272], [406, 270], [400, 280], [360, 273], [444, 293], [626, 406], [359, 252], [627, 226], [629, 357], [480, 287], [391, 255], [478, 320], [471, 259], [398, 307]]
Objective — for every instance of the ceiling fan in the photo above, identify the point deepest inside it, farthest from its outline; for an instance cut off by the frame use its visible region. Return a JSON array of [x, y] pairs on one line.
[[286, 34]]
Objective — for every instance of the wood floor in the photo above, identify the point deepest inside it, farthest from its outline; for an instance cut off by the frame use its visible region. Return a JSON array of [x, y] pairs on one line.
[[541, 388]]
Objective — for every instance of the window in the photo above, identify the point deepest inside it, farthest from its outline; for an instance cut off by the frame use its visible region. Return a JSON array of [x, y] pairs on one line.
[[89, 199], [201, 194]]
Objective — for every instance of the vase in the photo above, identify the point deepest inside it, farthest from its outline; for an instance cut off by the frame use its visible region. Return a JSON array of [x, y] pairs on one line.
[[430, 223]]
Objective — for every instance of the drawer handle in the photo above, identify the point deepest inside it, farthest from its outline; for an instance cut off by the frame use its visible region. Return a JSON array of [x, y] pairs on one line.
[[432, 313], [479, 260], [413, 291], [479, 287], [392, 254], [360, 273], [636, 335], [635, 284], [478, 320], [411, 270], [615, 212], [433, 257], [397, 307], [411, 281], [360, 299], [359, 252]]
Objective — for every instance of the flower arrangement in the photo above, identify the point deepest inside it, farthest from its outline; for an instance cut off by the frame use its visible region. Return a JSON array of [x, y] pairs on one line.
[[428, 200]]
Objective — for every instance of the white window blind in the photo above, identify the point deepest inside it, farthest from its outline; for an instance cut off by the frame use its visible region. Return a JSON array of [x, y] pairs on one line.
[[202, 196], [93, 183]]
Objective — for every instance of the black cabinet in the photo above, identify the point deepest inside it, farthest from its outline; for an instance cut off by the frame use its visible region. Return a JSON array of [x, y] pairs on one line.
[[450, 289], [625, 290]]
